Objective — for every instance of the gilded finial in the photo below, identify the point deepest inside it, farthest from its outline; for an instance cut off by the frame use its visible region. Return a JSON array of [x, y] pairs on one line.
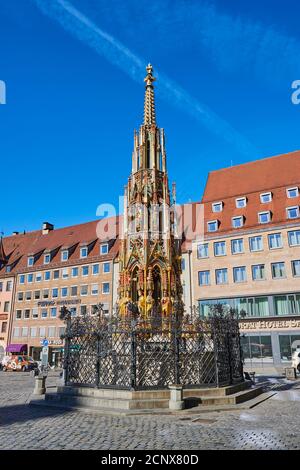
[[149, 107], [149, 79]]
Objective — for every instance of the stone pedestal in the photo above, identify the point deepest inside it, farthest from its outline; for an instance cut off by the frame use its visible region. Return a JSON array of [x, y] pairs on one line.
[[176, 397], [290, 373], [40, 385]]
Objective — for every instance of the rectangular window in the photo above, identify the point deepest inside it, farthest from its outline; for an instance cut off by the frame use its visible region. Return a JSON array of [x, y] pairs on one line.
[[202, 250], [221, 276], [65, 273], [296, 268], [294, 238], [73, 311], [35, 313], [182, 264], [25, 331], [64, 292], [47, 258], [240, 202], [94, 309], [212, 226], [288, 345], [264, 217], [292, 212], [104, 248], [42, 332], [278, 270], [20, 296], [44, 313], [84, 290], [83, 309], [8, 286], [258, 272], [30, 261], [33, 332], [83, 252], [26, 314], [94, 289], [19, 314], [237, 246], [74, 272], [74, 291], [54, 292], [4, 327], [265, 198], [65, 255], [95, 269], [16, 332], [239, 274], [85, 270], [56, 274], [292, 192], [38, 277], [45, 293], [220, 248], [22, 279], [30, 278], [53, 312], [47, 276], [275, 241], [106, 267], [51, 331], [237, 222], [28, 295], [217, 206], [204, 278], [256, 243], [105, 288]]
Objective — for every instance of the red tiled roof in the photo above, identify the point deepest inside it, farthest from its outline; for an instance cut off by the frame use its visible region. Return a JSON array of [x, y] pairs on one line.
[[18, 247], [274, 174]]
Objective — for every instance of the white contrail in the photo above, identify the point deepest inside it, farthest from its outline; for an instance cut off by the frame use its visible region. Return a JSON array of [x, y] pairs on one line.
[[118, 54]]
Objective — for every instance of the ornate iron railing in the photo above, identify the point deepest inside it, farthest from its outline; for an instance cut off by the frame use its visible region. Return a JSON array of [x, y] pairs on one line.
[[145, 354]]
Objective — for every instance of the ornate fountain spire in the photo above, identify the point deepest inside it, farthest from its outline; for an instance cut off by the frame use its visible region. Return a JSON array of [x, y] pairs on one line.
[[149, 107]]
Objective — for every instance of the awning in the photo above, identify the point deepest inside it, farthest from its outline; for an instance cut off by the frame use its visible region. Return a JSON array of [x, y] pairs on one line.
[[16, 348]]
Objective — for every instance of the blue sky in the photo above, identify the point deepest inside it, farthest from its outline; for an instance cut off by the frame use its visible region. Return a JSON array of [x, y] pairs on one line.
[[74, 76]]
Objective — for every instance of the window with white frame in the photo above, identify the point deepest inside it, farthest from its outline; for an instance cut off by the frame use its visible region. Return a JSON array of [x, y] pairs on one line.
[[28, 295], [275, 241], [240, 202], [106, 267], [104, 248], [74, 291], [55, 292], [94, 289], [221, 276], [6, 306], [202, 250], [256, 243], [35, 312], [74, 272], [220, 248], [38, 277], [44, 313], [30, 261], [33, 331], [258, 272], [264, 217], [20, 296], [30, 278], [42, 332], [37, 294], [292, 212], [25, 331], [105, 288], [204, 278], [16, 332], [64, 292], [18, 314], [266, 197], [85, 270], [296, 268], [212, 226], [294, 238], [22, 279], [278, 270], [56, 274], [53, 312], [47, 275], [239, 274], [292, 192], [237, 222], [83, 309], [237, 246], [95, 269], [217, 206], [84, 290], [51, 331], [83, 252], [64, 255], [47, 258], [65, 273]]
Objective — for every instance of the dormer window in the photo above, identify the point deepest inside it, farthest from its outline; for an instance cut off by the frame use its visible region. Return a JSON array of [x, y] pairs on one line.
[[212, 226], [30, 261], [217, 206], [237, 222], [64, 255], [8, 269], [264, 217], [292, 212], [104, 248], [240, 202], [83, 252], [265, 198], [47, 258], [292, 192]]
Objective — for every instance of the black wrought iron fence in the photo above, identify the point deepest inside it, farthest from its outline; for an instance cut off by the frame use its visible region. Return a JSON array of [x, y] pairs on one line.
[[138, 354]]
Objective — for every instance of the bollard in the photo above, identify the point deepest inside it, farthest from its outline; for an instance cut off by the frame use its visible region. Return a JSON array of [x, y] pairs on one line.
[[176, 397], [40, 385]]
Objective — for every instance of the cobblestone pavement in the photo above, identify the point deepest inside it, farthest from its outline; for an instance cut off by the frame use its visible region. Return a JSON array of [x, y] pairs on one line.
[[273, 424]]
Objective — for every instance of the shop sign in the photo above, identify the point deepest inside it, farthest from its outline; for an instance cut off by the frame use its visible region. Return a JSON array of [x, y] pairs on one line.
[[51, 303], [269, 324]]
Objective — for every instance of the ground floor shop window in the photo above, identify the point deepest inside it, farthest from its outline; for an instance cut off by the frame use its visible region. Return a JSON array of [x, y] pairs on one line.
[[257, 349], [288, 344]]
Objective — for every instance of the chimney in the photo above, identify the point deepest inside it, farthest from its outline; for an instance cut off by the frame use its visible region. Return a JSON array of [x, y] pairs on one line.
[[46, 228], [15, 233]]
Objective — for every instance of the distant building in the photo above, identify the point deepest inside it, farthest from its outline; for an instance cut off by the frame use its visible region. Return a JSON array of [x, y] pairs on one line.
[[250, 256]]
